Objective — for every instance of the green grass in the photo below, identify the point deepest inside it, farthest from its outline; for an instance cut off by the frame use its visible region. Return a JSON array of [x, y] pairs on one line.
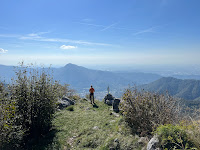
[[88, 127]]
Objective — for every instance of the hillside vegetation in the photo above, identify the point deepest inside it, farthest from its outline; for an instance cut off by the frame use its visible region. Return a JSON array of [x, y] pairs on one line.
[[187, 89], [161, 115]]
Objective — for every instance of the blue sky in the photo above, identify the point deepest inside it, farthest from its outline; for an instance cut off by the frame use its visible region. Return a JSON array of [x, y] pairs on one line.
[[100, 32]]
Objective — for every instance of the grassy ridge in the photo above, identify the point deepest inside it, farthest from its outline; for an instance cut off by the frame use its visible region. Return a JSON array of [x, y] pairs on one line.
[[88, 127]]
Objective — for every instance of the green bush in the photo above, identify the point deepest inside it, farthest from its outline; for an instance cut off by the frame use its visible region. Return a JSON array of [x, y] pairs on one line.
[[193, 130], [10, 133], [35, 94], [144, 111], [174, 137], [27, 106]]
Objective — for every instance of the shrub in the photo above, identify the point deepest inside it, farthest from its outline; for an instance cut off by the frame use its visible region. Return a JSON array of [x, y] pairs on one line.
[[27, 106], [10, 133], [64, 90], [174, 137], [144, 111], [36, 94], [193, 130]]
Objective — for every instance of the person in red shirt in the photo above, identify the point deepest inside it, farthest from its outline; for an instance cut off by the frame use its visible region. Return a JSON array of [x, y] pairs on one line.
[[92, 94]]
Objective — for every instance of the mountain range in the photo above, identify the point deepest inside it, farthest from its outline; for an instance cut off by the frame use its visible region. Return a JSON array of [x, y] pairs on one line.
[[81, 78]]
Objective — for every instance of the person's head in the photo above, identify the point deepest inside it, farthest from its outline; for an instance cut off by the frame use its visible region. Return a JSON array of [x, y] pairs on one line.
[[91, 86]]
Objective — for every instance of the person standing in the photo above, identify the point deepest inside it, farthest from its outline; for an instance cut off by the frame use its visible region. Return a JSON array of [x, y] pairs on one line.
[[92, 94]]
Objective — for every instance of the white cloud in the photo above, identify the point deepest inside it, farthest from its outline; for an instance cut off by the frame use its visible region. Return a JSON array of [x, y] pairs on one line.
[[67, 47], [38, 37], [3, 50]]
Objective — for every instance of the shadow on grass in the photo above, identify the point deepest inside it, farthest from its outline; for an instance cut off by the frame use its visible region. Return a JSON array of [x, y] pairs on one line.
[[95, 105], [46, 142]]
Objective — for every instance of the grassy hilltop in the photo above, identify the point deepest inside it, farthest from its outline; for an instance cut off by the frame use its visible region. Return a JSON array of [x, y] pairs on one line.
[[88, 127]]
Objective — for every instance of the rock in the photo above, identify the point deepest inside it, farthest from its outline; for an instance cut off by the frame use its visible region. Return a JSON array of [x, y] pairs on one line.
[[108, 102], [115, 114], [153, 144], [116, 140], [108, 99], [71, 140], [116, 105], [111, 101], [68, 100], [95, 128], [65, 102]]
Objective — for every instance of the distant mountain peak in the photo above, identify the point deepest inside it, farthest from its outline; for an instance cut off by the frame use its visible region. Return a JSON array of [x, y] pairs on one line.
[[73, 66], [70, 65]]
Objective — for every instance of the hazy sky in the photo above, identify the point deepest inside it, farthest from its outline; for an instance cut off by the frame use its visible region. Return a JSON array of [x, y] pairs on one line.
[[138, 32]]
